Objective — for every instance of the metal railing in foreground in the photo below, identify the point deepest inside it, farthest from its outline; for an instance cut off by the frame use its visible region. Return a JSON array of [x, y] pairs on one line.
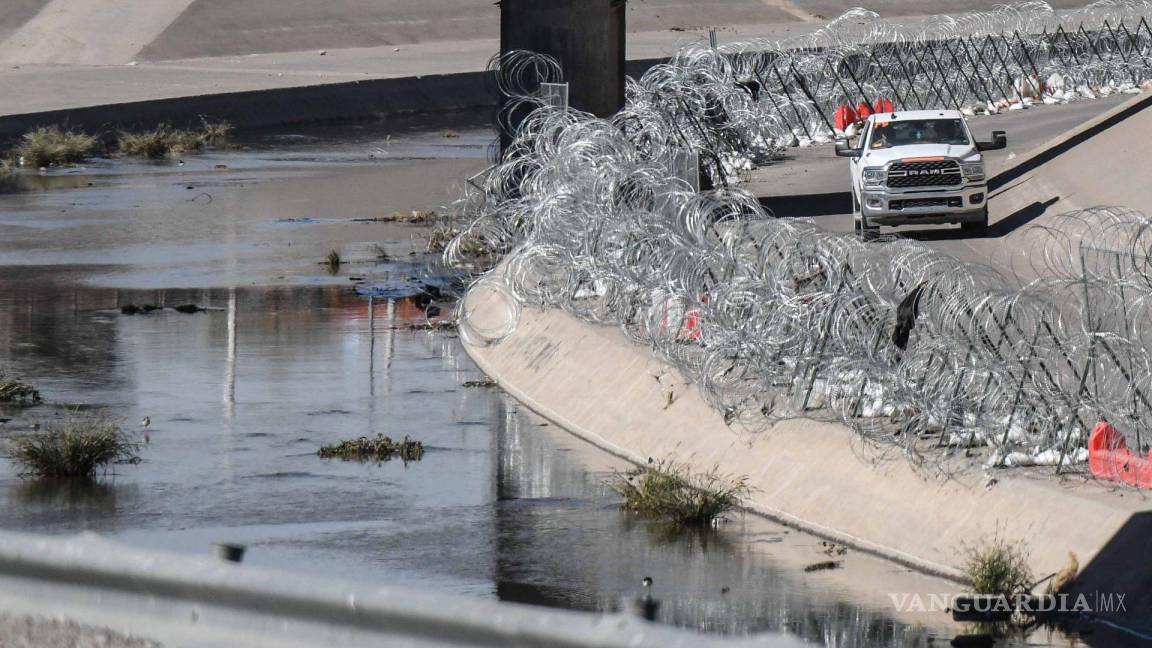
[[191, 601]]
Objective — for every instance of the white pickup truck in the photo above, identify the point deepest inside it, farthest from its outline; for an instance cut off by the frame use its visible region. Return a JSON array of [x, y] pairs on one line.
[[918, 167]]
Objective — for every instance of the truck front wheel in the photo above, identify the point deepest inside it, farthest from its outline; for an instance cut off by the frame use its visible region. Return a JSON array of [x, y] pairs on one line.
[[978, 227], [859, 226]]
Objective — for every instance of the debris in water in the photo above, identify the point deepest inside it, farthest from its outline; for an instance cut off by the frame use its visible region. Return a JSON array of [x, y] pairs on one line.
[[486, 381], [143, 309], [382, 448], [824, 566], [189, 309]]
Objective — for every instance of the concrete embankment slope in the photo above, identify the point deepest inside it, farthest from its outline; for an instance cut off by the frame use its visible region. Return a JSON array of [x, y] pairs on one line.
[[817, 476], [1104, 161]]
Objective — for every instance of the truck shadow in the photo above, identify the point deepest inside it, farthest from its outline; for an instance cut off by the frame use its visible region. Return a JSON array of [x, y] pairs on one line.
[[1000, 228]]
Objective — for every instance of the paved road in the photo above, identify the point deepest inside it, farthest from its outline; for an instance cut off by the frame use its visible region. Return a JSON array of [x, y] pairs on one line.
[[814, 183], [97, 32], [57, 54]]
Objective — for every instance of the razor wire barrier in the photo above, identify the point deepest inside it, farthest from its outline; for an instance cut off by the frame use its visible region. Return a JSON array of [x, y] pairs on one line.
[[739, 104], [776, 319]]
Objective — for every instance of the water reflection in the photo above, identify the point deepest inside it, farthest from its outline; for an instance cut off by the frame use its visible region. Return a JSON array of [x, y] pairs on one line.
[[502, 504]]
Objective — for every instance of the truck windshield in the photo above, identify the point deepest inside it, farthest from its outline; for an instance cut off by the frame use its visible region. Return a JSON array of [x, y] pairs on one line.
[[886, 134]]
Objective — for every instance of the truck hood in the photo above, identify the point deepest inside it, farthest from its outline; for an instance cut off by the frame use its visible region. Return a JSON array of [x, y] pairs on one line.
[[880, 157]]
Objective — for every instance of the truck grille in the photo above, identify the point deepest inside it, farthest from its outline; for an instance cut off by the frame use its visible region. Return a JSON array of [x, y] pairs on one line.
[[935, 173], [897, 205]]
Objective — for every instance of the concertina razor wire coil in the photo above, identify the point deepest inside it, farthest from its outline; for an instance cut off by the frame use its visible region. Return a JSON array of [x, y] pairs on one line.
[[776, 318]]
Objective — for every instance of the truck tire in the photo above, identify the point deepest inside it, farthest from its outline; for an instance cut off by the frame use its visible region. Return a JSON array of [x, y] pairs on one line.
[[863, 231], [978, 228]]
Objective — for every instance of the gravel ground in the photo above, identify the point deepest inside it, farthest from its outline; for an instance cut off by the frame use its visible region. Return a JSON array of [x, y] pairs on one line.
[[36, 632]]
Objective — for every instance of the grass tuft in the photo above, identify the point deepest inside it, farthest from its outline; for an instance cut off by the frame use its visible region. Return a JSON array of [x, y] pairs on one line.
[[998, 567], [164, 140], [74, 447], [53, 146], [16, 392], [381, 448], [215, 134], [333, 262], [159, 142], [671, 491]]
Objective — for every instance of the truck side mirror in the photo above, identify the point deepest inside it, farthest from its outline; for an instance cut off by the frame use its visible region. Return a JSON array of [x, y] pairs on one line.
[[999, 141], [843, 150]]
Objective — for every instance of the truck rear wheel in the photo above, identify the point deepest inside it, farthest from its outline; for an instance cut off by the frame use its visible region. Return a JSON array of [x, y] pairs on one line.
[[977, 228]]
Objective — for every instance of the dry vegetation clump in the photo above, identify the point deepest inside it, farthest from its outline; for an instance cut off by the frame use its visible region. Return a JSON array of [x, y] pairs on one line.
[[215, 134], [159, 142], [414, 217], [998, 567], [16, 392], [440, 237], [671, 491], [332, 262], [74, 447], [53, 146], [382, 448], [164, 140]]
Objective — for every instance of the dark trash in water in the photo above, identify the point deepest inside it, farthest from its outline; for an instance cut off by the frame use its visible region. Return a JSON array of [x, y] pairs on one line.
[[824, 566], [483, 382], [143, 309], [189, 309], [382, 448]]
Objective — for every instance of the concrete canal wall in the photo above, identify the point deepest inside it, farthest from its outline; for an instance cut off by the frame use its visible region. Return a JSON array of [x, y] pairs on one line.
[[815, 476]]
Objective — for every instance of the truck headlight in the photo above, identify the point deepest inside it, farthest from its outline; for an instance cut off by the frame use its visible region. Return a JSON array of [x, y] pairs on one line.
[[874, 176], [973, 170]]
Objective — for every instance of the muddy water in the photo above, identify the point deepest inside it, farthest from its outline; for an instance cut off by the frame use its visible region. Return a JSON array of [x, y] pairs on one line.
[[288, 358]]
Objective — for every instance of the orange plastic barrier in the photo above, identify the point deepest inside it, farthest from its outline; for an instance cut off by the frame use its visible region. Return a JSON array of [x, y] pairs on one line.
[[1109, 458], [863, 111], [883, 106], [691, 329], [845, 116], [689, 324]]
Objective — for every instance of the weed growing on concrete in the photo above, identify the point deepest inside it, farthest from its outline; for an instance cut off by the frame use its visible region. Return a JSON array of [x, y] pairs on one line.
[[382, 448], [53, 146], [16, 392], [333, 262], [998, 567], [74, 447], [671, 491]]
